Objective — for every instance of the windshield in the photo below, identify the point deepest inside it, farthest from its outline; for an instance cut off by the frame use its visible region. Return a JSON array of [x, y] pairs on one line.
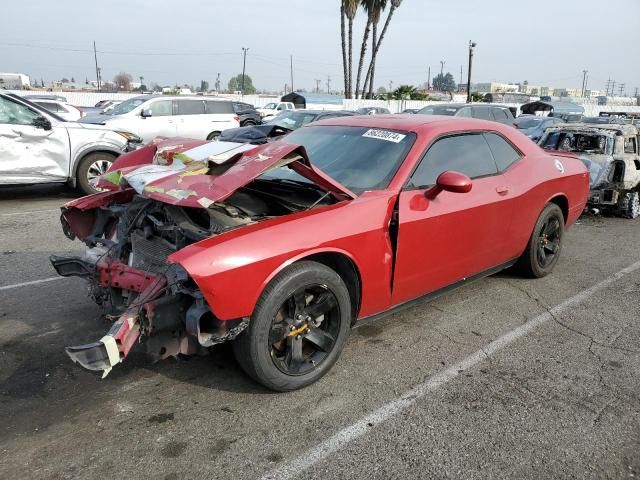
[[524, 123], [293, 120], [579, 142], [439, 110], [270, 106], [359, 158], [127, 106]]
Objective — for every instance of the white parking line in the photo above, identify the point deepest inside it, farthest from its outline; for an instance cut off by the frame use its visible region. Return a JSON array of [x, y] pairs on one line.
[[35, 282], [30, 212], [338, 441]]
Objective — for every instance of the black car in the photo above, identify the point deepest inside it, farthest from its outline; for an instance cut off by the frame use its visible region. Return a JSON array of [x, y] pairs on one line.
[[282, 124], [247, 113], [483, 111]]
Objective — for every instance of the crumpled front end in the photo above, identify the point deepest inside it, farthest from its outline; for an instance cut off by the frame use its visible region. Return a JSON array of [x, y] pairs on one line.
[[149, 299]]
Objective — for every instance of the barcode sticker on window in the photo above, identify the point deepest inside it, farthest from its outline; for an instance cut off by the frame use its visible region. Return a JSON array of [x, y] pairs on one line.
[[384, 135]]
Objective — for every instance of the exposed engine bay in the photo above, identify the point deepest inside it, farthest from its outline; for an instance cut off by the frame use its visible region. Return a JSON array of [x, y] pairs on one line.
[[130, 238]]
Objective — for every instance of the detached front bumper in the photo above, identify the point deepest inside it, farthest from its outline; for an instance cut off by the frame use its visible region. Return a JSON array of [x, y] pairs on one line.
[[164, 309], [114, 347]]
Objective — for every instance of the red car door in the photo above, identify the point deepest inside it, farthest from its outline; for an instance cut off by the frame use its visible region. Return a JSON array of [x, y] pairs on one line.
[[455, 235]]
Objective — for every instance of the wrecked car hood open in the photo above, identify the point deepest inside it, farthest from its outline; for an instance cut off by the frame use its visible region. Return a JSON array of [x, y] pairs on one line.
[[212, 172]]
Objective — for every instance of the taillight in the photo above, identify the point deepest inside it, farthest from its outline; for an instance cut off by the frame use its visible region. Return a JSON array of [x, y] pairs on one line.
[[82, 114], [236, 118], [516, 124]]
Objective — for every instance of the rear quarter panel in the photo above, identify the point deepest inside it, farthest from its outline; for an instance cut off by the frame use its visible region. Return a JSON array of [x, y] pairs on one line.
[[232, 269]]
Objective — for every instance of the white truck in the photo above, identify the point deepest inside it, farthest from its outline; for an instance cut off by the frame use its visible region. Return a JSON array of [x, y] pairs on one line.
[[272, 109]]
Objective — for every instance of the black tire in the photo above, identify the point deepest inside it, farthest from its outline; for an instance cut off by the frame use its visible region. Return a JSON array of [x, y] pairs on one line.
[[213, 136], [545, 244], [630, 204], [90, 168], [248, 123], [266, 349]]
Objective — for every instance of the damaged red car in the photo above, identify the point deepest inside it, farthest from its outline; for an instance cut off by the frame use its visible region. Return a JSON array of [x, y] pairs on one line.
[[282, 248]]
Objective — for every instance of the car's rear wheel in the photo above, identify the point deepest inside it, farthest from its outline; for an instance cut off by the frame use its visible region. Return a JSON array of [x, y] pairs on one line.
[[545, 244], [248, 123], [213, 136], [630, 204], [90, 169], [298, 329]]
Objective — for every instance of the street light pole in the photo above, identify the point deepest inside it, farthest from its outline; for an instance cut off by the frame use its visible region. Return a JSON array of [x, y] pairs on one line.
[[471, 47], [244, 67]]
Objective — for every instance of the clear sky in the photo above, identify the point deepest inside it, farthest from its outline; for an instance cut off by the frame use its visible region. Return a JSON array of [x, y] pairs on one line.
[[545, 42]]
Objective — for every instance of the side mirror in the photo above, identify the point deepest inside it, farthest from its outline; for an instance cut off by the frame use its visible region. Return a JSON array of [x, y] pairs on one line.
[[449, 181], [42, 122], [146, 112]]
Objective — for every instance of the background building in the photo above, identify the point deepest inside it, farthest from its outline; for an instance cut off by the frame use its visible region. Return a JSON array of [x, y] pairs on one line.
[[14, 81]]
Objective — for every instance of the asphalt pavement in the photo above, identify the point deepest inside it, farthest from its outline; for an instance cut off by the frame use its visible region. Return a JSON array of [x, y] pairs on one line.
[[502, 378]]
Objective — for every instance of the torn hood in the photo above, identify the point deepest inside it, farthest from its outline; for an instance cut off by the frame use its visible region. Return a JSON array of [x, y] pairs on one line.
[[213, 171]]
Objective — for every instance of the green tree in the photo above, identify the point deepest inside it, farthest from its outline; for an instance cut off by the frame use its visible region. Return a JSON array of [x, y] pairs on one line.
[[444, 83], [204, 86], [235, 84], [477, 97]]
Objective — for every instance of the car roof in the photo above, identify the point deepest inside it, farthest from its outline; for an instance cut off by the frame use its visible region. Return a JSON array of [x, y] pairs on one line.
[[410, 122], [625, 129]]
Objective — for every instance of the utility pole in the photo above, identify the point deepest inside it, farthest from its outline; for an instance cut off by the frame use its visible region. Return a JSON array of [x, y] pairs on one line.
[[460, 78], [621, 89], [429, 79], [291, 56], [218, 83], [608, 86], [328, 85], [95, 57], [584, 82], [472, 45], [613, 88], [636, 92], [391, 85], [244, 66]]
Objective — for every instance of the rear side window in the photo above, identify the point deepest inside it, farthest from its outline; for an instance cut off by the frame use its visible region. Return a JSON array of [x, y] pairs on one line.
[[503, 153], [483, 113], [214, 106], [630, 145], [468, 154], [52, 107], [500, 115], [190, 107]]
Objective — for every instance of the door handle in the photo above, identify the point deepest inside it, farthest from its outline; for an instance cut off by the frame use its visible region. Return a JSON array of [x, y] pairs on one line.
[[502, 190]]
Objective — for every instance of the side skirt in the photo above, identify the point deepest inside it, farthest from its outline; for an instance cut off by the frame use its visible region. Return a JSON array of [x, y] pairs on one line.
[[432, 295]]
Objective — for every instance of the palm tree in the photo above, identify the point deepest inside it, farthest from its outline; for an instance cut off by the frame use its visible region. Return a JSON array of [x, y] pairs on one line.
[[369, 7], [395, 4], [374, 15], [344, 51], [350, 10]]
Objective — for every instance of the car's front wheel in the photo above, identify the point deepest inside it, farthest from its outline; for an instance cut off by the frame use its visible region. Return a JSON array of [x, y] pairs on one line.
[[545, 244], [298, 329], [213, 136], [90, 169]]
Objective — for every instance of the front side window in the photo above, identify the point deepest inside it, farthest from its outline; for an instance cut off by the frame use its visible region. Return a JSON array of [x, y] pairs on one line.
[[161, 108], [503, 153], [49, 106], [630, 145], [13, 113], [127, 106], [467, 153], [189, 107]]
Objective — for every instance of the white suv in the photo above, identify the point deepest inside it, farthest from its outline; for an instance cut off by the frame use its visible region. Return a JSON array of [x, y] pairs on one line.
[[37, 146], [151, 116]]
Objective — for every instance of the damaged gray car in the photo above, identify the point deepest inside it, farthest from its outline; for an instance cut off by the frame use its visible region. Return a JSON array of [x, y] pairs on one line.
[[610, 152]]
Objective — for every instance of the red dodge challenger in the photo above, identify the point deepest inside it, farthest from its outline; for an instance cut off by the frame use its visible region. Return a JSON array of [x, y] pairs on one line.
[[282, 248]]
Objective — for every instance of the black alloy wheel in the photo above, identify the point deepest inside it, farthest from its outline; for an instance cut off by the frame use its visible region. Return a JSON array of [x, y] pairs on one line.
[[304, 330], [549, 241], [299, 326], [545, 244]]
